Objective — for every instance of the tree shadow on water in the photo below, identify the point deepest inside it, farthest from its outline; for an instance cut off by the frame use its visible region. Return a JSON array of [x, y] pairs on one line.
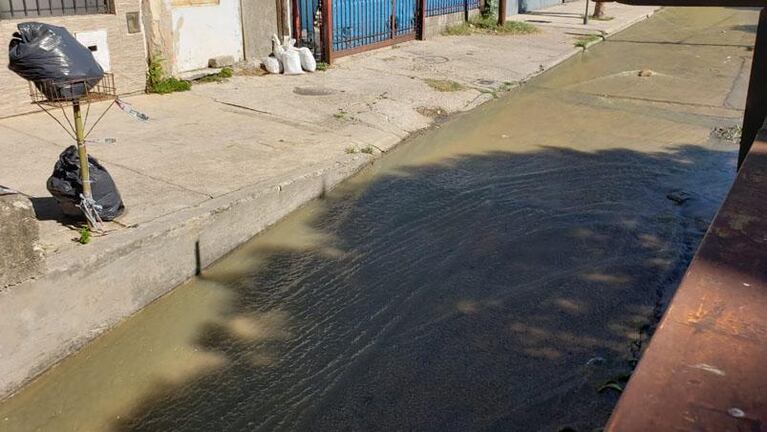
[[487, 292]]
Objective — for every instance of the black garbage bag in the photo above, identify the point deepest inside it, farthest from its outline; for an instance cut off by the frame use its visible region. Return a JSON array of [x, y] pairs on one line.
[[65, 185], [52, 58]]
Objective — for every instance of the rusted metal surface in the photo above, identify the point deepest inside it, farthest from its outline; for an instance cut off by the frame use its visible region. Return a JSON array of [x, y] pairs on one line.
[[756, 101], [327, 30], [706, 366]]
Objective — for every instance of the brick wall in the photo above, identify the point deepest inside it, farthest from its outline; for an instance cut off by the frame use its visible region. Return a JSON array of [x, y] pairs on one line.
[[127, 52]]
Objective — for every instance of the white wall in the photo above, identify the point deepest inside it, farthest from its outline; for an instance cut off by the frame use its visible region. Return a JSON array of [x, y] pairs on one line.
[[204, 32]]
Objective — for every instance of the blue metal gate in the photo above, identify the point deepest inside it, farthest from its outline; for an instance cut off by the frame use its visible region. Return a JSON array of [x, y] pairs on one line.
[[357, 25]]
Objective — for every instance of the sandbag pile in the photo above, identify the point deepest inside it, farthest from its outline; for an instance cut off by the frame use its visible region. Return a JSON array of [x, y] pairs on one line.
[[60, 66], [288, 59], [65, 185]]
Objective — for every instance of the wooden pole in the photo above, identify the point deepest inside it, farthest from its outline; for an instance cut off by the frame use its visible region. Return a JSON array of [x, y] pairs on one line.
[[501, 12]]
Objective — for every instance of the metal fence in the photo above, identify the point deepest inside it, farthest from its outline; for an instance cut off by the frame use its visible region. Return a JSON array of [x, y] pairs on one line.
[[310, 18], [358, 23], [444, 7], [44, 8]]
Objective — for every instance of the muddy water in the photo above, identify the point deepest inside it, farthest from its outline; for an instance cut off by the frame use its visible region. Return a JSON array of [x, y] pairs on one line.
[[489, 274]]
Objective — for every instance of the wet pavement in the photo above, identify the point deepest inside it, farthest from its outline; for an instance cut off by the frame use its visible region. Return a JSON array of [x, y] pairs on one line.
[[489, 274]]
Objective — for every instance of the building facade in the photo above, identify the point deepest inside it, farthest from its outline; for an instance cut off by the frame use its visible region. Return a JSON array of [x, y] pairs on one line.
[[111, 28]]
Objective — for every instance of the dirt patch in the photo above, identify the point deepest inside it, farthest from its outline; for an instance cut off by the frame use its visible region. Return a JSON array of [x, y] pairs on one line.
[[432, 112], [444, 85]]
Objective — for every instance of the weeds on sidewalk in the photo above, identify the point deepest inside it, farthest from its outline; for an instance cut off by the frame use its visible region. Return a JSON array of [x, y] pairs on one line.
[[340, 115], [586, 40], [85, 235], [223, 74], [157, 82], [322, 66], [444, 85], [355, 150], [489, 25]]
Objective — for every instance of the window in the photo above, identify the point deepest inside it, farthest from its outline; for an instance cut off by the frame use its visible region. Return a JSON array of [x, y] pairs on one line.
[[44, 8]]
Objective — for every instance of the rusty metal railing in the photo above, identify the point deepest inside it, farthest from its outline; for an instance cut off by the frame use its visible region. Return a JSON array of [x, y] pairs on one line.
[[706, 366]]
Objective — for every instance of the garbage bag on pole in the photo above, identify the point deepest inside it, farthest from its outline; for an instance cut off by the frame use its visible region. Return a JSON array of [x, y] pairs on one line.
[[46, 53], [65, 185]]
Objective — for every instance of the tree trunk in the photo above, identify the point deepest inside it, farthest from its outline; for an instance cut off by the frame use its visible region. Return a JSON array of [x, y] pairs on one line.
[[599, 10]]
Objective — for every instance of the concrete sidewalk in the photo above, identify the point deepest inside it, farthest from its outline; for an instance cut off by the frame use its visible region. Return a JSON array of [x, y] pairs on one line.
[[569, 16], [216, 165]]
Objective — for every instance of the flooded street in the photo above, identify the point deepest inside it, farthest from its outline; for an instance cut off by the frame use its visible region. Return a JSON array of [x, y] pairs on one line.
[[491, 273]]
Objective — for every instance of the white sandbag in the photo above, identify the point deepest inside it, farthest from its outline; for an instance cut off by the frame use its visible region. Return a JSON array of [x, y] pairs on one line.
[[272, 65], [277, 49], [291, 62], [307, 59]]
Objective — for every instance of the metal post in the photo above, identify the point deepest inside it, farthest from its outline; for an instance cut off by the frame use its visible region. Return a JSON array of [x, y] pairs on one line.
[[421, 19], [466, 10], [756, 101], [85, 176], [586, 15], [501, 12], [296, 21], [327, 31]]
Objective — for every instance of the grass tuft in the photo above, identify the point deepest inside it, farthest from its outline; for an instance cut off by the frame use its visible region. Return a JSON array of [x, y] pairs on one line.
[[85, 235], [489, 25], [223, 74], [157, 82], [340, 114], [586, 40]]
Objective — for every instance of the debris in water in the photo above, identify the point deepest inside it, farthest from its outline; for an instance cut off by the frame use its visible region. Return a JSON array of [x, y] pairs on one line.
[[735, 412], [646, 73], [679, 197], [610, 385], [596, 361], [731, 133]]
